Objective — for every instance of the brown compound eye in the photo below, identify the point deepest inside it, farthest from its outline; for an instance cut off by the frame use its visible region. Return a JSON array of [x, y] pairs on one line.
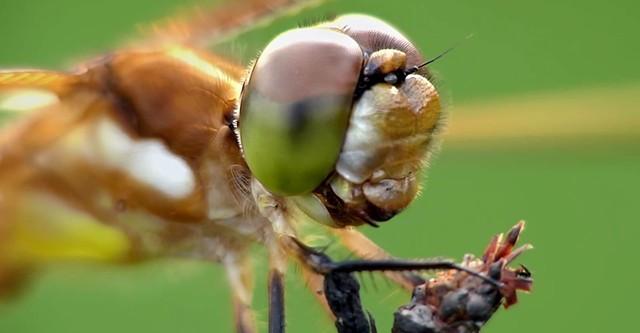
[[296, 105], [390, 56], [374, 35]]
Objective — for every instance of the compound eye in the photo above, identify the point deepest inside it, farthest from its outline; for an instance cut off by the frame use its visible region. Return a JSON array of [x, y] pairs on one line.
[[295, 108], [373, 35]]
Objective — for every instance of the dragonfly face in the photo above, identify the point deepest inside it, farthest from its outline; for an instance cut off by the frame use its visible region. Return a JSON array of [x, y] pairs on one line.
[[335, 110], [168, 151]]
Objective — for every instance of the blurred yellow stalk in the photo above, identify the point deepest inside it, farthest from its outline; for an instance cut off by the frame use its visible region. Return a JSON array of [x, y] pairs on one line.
[[608, 115]]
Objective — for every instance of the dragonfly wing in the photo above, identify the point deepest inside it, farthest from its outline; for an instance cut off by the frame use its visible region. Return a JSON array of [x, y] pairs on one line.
[[209, 27]]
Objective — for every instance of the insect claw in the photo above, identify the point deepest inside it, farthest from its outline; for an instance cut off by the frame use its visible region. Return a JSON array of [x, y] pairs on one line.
[[371, 222], [310, 257]]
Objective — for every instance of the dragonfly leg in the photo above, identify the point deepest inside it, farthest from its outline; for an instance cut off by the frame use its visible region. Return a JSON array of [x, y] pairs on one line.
[[240, 277], [276, 302], [277, 268], [337, 292], [365, 248], [342, 290], [315, 283]]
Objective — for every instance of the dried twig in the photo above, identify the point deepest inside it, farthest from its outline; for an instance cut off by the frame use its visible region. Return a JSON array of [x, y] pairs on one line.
[[455, 301], [461, 298]]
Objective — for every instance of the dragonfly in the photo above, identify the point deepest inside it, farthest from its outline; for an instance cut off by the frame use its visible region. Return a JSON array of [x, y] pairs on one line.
[[168, 150]]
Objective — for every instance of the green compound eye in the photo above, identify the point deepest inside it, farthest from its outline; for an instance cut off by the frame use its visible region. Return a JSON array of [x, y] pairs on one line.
[[295, 108]]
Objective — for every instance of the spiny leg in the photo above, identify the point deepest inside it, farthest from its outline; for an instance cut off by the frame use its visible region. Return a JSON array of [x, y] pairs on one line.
[[365, 248], [341, 289], [276, 302], [341, 292], [277, 269], [286, 246], [271, 209], [240, 276], [315, 283], [322, 264]]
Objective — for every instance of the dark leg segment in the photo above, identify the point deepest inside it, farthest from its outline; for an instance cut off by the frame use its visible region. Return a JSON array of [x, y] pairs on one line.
[[276, 302], [342, 291]]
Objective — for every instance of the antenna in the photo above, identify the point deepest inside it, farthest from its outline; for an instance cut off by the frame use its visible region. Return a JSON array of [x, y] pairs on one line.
[[416, 68]]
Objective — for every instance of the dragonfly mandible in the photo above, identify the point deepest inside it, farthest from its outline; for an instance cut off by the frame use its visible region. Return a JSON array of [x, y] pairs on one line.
[[168, 150]]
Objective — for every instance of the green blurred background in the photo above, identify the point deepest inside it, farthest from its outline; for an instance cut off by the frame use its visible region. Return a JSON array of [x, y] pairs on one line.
[[544, 126]]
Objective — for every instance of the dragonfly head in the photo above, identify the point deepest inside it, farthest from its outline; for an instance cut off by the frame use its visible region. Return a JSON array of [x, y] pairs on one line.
[[342, 112]]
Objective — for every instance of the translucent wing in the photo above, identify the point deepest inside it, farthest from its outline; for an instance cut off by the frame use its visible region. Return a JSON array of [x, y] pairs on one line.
[[206, 27]]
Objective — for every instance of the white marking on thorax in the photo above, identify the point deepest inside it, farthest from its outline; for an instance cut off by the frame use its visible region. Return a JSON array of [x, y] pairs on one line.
[[146, 160]]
